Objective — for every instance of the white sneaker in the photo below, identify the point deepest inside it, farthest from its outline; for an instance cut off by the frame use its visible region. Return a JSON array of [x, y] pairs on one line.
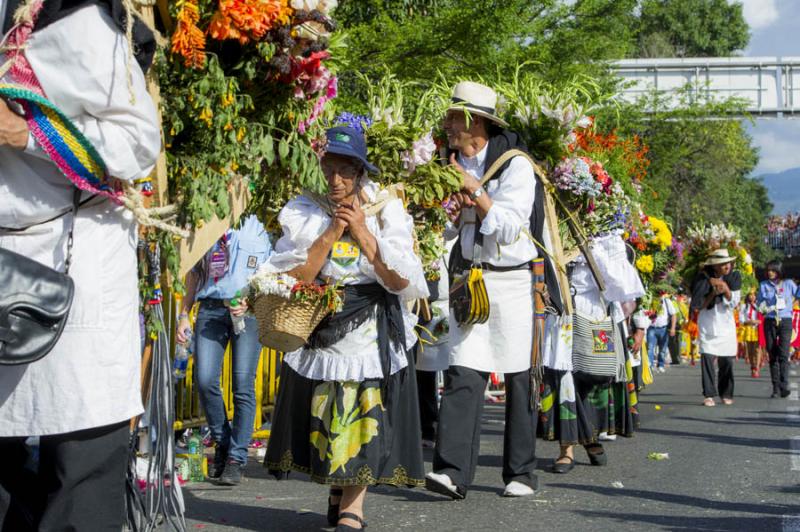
[[605, 436], [442, 484], [662, 370], [517, 489]]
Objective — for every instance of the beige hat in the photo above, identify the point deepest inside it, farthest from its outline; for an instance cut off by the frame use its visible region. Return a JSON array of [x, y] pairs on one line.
[[477, 99], [718, 256]]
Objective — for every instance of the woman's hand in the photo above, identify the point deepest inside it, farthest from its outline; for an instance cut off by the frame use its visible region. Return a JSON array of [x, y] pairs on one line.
[[240, 309], [184, 329], [13, 128], [356, 221]]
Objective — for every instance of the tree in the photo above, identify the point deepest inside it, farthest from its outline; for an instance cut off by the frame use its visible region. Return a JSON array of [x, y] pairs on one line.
[[418, 39], [691, 28]]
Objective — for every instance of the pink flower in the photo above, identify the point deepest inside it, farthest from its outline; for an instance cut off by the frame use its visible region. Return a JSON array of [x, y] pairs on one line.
[[422, 151]]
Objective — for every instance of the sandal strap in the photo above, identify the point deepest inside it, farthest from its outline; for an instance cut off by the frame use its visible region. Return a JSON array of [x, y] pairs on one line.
[[354, 517], [336, 491], [571, 459]]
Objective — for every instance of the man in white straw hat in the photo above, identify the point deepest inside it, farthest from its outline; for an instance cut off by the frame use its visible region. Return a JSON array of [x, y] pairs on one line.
[[715, 293], [491, 223]]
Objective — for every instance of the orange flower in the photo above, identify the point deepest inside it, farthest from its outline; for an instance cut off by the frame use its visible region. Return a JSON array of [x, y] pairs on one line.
[[188, 40], [247, 20]]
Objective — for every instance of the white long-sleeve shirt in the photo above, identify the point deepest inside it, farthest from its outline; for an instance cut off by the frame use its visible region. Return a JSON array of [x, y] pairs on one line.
[[355, 357], [507, 224], [91, 377]]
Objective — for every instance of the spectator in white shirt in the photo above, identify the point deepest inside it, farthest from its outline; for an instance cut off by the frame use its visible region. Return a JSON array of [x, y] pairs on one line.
[[658, 335]]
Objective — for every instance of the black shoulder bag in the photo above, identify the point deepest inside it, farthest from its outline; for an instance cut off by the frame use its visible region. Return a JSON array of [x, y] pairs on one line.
[[34, 302]]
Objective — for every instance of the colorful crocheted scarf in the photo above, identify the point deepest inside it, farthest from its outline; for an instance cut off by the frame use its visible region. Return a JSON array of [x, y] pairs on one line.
[[66, 146]]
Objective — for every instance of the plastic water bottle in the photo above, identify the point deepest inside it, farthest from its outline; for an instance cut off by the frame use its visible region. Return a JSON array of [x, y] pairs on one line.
[[238, 321], [195, 445], [182, 353]]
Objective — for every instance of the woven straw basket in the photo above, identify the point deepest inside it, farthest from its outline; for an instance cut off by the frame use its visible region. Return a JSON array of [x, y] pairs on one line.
[[286, 325]]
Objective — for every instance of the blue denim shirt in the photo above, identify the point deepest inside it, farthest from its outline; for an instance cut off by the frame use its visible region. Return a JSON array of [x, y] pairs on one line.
[[768, 293], [248, 248]]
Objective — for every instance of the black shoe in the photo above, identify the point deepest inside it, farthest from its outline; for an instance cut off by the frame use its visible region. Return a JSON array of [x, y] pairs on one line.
[[354, 517], [564, 467], [218, 465], [232, 476], [333, 509], [597, 455], [785, 394]]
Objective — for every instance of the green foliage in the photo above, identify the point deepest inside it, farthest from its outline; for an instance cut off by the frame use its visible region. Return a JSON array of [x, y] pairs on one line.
[[691, 28]]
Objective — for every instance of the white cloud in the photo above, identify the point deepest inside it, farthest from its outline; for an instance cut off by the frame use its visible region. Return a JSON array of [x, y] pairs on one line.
[[778, 143], [759, 13]]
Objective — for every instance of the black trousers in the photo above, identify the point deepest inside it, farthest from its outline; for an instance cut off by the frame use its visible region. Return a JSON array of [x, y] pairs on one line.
[[778, 334], [428, 405], [80, 484], [724, 383], [459, 435], [674, 347]]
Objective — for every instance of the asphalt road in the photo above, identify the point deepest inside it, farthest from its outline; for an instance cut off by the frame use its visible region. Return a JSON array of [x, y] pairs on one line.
[[729, 468]]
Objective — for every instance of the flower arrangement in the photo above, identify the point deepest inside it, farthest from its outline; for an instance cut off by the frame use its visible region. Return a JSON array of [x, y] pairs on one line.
[[702, 240], [243, 85], [587, 188], [283, 285], [659, 255]]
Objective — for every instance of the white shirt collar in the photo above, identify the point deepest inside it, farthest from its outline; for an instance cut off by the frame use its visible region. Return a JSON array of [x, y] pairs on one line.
[[476, 162]]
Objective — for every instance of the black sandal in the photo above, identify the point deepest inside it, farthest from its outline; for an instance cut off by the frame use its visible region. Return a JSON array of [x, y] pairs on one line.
[[354, 517], [333, 509], [563, 468], [596, 458]]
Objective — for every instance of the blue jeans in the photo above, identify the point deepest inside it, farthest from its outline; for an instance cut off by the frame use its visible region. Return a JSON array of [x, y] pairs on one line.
[[657, 339], [213, 331]]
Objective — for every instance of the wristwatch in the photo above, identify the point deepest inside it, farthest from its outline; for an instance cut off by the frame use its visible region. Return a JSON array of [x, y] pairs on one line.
[[477, 194]]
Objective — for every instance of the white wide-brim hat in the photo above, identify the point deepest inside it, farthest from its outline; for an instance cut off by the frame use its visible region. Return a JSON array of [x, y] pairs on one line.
[[477, 99], [718, 256]]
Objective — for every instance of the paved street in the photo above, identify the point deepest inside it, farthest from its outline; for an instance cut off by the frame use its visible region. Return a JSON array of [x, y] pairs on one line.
[[729, 468]]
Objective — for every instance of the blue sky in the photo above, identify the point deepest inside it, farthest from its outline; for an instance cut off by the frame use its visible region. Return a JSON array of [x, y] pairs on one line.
[[774, 28]]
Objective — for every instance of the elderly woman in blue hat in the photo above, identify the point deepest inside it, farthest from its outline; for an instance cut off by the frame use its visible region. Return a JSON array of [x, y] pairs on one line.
[[347, 412]]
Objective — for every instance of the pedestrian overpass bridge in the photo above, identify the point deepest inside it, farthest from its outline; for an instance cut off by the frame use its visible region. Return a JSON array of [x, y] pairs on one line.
[[770, 86]]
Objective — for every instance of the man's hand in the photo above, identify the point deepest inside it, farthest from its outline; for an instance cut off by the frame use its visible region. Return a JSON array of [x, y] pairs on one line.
[[13, 128], [468, 183], [338, 226]]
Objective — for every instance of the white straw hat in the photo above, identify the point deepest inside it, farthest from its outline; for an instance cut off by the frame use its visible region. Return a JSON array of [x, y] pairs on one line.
[[718, 256], [478, 99]]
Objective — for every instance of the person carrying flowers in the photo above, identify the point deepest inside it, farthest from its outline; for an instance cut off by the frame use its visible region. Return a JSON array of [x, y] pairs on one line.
[[347, 411], [491, 223], [715, 294]]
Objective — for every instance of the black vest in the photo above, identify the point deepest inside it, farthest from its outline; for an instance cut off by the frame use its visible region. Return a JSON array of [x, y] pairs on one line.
[[500, 143]]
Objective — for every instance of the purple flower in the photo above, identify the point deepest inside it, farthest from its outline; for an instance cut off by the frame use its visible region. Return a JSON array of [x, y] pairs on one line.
[[358, 122]]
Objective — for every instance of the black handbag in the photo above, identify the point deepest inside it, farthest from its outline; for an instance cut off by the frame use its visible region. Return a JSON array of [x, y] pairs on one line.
[[34, 302]]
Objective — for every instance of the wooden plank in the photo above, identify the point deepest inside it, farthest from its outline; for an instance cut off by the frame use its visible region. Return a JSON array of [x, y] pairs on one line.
[[192, 249], [163, 10]]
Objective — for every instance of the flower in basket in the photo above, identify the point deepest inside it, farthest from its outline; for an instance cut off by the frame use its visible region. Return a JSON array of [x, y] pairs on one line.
[[266, 282]]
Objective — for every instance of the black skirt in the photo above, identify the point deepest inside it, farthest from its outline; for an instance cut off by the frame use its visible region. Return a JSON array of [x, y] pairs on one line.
[[348, 433], [576, 411]]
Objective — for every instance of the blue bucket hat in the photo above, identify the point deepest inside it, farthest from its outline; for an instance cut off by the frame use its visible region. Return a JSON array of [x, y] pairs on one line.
[[349, 142]]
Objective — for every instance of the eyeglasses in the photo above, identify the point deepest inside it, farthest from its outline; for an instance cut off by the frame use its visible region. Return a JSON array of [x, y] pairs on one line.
[[349, 171]]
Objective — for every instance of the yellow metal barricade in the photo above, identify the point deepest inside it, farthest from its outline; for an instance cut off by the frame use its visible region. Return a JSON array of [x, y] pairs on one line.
[[188, 412]]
